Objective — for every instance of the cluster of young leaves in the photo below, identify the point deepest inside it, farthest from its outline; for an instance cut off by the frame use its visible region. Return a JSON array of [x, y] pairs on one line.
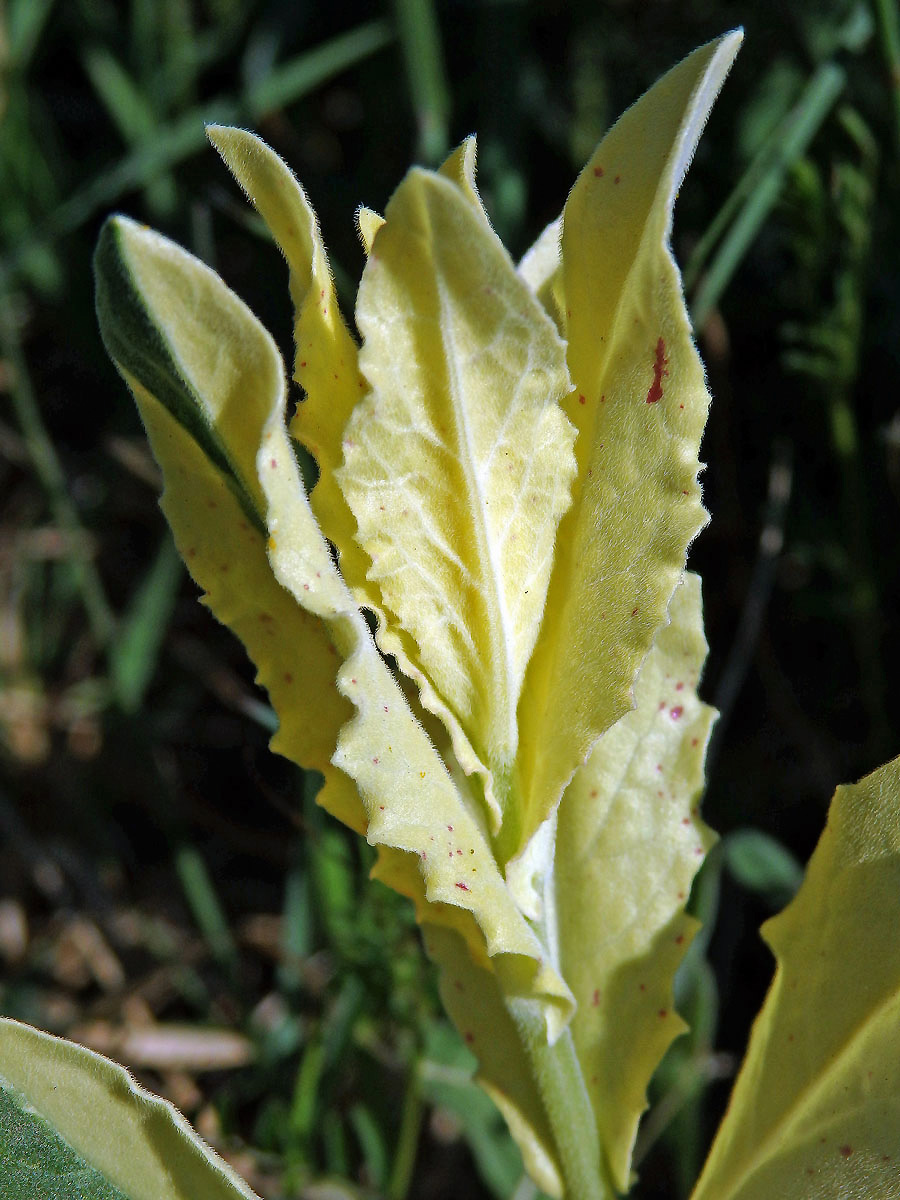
[[508, 484]]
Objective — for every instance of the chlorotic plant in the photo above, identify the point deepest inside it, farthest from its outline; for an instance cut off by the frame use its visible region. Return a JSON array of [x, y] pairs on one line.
[[507, 488]]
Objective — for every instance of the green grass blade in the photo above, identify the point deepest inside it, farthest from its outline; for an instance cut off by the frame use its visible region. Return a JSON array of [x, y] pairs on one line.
[[27, 21], [186, 135], [762, 864], [806, 119], [135, 652], [49, 471], [121, 97], [300, 75], [420, 41], [201, 895], [888, 17]]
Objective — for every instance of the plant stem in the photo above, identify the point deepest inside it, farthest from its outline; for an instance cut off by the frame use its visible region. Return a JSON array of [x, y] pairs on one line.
[[561, 1087]]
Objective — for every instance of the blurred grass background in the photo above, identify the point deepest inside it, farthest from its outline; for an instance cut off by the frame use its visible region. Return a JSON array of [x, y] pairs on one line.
[[169, 892]]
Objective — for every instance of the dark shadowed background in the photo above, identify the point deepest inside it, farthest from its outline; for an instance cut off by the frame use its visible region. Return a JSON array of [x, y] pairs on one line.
[[169, 892]]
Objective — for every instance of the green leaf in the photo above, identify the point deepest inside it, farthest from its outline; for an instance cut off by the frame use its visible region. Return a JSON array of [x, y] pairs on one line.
[[815, 1109], [72, 1123], [135, 652], [760, 862]]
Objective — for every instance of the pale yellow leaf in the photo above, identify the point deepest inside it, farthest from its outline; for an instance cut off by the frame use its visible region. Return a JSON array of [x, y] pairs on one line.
[[816, 1108], [458, 464], [639, 401], [629, 842], [409, 802], [325, 360]]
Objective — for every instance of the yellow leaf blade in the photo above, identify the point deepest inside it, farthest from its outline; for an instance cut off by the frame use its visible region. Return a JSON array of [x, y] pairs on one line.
[[639, 402], [629, 838], [406, 798], [458, 463], [326, 357], [151, 293], [814, 1111]]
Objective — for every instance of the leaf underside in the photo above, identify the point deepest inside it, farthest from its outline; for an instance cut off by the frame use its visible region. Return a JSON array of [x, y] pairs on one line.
[[72, 1123]]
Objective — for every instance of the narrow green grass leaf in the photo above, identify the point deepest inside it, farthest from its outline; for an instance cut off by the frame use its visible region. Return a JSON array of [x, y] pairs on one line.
[[184, 136], [127, 106], [420, 41], [205, 904], [801, 126], [27, 20], [288, 81], [139, 637]]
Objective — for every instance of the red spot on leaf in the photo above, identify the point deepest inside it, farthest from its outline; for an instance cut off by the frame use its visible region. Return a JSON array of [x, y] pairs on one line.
[[676, 712], [450, 827], [659, 371], [596, 997], [581, 400], [663, 1013], [598, 171], [469, 1036], [846, 1151], [679, 687], [288, 677], [679, 939], [618, 179], [273, 463], [463, 887]]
